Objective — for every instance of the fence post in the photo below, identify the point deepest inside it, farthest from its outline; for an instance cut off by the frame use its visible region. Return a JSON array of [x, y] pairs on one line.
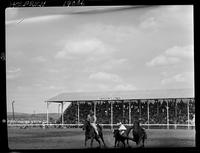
[[47, 112], [62, 113], [78, 112], [175, 113], [188, 112], [111, 102], [129, 108], [167, 115], [148, 112], [95, 108]]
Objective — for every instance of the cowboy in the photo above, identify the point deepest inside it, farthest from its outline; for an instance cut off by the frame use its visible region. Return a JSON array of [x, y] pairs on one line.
[[140, 120], [137, 124], [92, 119], [121, 128]]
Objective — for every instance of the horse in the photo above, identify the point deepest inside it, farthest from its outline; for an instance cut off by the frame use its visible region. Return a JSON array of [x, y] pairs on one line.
[[139, 133], [121, 138], [91, 134]]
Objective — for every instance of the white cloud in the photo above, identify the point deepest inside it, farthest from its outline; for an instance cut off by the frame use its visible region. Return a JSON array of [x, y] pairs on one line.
[[61, 54], [182, 52], [166, 16], [85, 46], [176, 78], [105, 77], [172, 56], [184, 77], [163, 60], [75, 48]]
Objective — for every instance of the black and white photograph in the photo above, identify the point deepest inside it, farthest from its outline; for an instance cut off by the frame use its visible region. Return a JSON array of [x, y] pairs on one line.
[[100, 77]]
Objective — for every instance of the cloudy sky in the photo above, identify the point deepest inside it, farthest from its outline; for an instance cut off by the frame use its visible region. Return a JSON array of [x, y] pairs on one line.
[[55, 50]]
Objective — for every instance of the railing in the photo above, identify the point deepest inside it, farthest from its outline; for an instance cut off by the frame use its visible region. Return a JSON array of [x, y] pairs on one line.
[[148, 126]]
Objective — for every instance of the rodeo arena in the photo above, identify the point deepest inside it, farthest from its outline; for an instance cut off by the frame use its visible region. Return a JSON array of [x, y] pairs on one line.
[[166, 118]]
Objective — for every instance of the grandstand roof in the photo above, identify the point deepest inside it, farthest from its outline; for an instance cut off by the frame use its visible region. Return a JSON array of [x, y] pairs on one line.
[[122, 95]]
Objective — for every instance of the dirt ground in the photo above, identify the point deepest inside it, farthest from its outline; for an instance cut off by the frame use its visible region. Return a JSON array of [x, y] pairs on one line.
[[37, 138]]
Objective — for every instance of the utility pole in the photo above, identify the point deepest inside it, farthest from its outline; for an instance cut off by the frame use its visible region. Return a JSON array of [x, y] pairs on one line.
[[13, 113]]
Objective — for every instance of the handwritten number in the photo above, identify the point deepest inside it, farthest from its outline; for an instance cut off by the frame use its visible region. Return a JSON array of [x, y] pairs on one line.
[[44, 3]]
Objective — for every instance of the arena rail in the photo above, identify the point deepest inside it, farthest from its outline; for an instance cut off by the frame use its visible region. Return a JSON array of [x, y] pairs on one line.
[[147, 126]]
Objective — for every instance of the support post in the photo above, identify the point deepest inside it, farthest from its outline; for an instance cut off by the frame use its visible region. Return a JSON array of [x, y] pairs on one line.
[[62, 113], [129, 108], [13, 112], [58, 110], [47, 112], [111, 102], [175, 113], [78, 113], [148, 112], [167, 115], [95, 108], [123, 116], [188, 112], [157, 108], [140, 112]]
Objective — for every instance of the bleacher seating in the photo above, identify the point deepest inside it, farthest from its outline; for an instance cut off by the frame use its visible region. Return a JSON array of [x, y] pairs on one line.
[[157, 112]]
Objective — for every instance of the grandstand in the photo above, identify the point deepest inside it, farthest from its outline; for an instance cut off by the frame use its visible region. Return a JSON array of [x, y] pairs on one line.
[[156, 107]]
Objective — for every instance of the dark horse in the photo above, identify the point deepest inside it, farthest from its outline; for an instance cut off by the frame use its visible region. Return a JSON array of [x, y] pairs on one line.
[[139, 134], [121, 138], [91, 134]]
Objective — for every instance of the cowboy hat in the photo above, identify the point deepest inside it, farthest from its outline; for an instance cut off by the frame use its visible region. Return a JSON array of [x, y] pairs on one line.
[[120, 123]]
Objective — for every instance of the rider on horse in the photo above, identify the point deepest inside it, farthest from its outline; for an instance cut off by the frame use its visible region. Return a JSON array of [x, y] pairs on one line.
[[121, 128], [139, 121], [92, 119]]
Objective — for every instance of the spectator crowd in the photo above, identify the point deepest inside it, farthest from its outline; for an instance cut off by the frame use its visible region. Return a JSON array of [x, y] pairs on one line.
[[177, 111]]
